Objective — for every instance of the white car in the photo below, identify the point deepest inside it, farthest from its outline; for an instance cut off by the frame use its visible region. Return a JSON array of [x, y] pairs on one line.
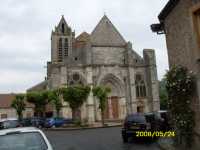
[[28, 138], [9, 123]]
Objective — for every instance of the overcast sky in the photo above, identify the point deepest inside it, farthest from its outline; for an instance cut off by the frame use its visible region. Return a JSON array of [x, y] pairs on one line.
[[25, 30]]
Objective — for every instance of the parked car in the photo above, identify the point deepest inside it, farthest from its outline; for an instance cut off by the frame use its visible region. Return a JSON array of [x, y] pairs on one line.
[[151, 119], [9, 123], [69, 120], [162, 118], [37, 122], [26, 122], [56, 122], [132, 124], [27, 138]]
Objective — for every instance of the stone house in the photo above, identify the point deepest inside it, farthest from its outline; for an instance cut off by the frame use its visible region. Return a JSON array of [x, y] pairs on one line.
[[102, 57], [6, 111], [180, 22]]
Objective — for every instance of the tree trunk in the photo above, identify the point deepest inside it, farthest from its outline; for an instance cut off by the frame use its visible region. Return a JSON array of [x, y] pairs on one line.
[[37, 111], [76, 114], [57, 113], [43, 111], [102, 117], [20, 116]]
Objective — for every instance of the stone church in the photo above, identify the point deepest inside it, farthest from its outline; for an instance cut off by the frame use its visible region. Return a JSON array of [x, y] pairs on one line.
[[102, 57]]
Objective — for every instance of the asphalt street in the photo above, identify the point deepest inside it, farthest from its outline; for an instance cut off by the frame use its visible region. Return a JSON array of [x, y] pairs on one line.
[[95, 139]]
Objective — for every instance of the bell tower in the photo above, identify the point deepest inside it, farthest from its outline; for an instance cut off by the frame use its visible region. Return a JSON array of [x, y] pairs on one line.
[[61, 42]]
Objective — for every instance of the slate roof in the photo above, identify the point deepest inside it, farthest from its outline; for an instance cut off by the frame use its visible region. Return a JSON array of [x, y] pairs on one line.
[[41, 86], [105, 34]]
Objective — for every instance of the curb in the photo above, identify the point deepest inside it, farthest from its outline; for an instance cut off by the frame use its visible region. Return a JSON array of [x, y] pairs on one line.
[[80, 128]]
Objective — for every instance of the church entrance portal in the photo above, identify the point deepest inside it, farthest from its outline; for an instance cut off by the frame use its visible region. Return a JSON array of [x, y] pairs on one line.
[[112, 108]]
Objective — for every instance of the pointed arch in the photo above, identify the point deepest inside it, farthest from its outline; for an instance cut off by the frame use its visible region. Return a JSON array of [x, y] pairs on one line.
[[140, 86], [116, 85]]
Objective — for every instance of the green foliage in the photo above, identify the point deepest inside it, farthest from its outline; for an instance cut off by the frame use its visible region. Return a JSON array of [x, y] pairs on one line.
[[19, 105], [39, 99], [180, 88], [54, 97], [75, 96], [163, 94], [101, 93]]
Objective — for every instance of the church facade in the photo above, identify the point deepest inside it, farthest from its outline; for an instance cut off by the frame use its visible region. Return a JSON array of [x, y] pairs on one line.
[[102, 57]]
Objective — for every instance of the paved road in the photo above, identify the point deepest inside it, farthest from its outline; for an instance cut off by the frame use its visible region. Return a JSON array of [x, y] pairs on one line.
[[94, 139]]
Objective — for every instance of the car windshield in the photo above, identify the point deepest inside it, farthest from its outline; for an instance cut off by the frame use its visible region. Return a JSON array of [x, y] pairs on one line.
[[136, 118], [22, 141]]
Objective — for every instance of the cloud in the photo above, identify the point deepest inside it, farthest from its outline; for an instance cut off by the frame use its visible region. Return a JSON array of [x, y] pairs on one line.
[[18, 80], [26, 29]]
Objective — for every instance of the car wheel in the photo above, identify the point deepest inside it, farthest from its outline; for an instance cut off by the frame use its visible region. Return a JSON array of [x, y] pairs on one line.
[[53, 126]]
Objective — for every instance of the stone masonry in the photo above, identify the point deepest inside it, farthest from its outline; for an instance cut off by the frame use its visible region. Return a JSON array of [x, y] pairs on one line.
[[103, 58]]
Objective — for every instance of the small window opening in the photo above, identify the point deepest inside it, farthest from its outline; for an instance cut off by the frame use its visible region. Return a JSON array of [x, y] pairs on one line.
[[63, 28]]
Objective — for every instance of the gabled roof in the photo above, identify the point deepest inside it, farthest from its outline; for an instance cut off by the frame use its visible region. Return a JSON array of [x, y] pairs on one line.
[[6, 100], [81, 40], [39, 87], [106, 34], [167, 9], [83, 37]]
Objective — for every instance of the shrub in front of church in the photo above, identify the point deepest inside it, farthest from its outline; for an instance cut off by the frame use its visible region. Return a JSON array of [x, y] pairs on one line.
[[102, 94], [75, 96], [40, 100], [54, 96]]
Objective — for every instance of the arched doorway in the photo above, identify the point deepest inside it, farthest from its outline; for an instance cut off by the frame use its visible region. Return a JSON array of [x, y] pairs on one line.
[[113, 106]]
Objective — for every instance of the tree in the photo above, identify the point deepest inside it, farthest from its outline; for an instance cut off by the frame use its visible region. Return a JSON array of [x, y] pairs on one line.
[[19, 105], [40, 100], [163, 94], [75, 96], [54, 97], [102, 94], [180, 87]]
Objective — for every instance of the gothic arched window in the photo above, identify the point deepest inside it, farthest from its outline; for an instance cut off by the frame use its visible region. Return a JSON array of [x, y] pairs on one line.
[[60, 49], [140, 86], [66, 47]]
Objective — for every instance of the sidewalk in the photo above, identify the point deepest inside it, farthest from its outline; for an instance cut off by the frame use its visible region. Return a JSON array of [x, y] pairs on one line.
[[166, 144], [94, 126]]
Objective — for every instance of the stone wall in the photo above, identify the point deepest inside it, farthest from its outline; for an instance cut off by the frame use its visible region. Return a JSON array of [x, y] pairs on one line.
[[108, 55], [181, 37], [106, 59], [11, 113]]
